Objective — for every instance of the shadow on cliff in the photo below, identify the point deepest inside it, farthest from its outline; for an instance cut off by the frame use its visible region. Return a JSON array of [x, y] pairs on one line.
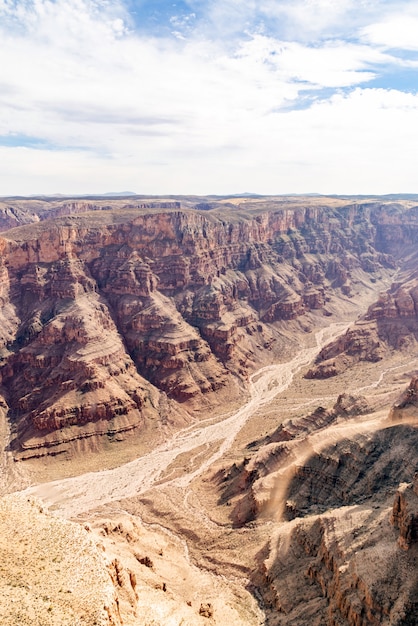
[[353, 471]]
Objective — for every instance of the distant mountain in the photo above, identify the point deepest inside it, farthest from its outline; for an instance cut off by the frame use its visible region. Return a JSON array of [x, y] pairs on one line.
[[118, 193], [79, 195]]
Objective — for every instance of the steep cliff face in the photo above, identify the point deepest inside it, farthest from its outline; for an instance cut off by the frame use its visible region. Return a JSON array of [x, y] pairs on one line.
[[12, 215], [343, 568], [104, 309], [68, 376], [405, 514], [332, 457], [391, 323], [353, 471], [396, 230]]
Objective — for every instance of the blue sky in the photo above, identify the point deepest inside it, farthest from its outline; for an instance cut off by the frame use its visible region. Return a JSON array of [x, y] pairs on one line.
[[269, 96]]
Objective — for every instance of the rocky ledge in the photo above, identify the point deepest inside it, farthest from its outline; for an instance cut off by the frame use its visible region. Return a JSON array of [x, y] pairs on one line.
[[405, 513]]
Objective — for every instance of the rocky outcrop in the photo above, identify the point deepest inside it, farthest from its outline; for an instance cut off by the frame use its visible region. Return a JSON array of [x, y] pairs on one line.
[[396, 229], [391, 323], [359, 343], [406, 407], [155, 579], [70, 377], [293, 473], [248, 486], [12, 215], [347, 553], [405, 514], [352, 471], [346, 406], [343, 568]]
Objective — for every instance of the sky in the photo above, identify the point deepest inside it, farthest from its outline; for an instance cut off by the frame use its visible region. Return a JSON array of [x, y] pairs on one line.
[[208, 97]]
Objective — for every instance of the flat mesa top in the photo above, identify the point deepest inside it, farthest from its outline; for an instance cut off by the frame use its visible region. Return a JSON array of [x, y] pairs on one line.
[[23, 218]]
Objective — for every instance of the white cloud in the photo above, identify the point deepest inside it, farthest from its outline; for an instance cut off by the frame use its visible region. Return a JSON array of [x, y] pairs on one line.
[[363, 142], [118, 110], [398, 31], [307, 19], [333, 64]]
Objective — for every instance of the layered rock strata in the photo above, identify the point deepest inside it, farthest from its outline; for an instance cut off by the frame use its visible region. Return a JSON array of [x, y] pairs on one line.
[[250, 486], [343, 568], [105, 310], [391, 323]]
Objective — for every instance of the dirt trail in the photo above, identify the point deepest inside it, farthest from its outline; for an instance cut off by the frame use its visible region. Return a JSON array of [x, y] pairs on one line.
[[74, 496]]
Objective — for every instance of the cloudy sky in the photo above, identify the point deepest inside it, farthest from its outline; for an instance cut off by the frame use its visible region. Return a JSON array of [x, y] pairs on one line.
[[208, 96]]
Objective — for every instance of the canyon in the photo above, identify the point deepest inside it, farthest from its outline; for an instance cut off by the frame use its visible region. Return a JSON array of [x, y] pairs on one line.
[[218, 398]]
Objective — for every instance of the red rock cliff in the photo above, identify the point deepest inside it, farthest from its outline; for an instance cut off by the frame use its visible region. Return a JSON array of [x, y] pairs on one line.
[[101, 309]]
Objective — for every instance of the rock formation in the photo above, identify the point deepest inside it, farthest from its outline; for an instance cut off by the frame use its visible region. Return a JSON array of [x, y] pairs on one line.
[[103, 308], [405, 513], [391, 323], [347, 554], [344, 567], [249, 485]]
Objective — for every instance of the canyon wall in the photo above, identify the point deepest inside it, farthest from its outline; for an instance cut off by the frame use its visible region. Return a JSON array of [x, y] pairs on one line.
[[109, 310], [391, 323]]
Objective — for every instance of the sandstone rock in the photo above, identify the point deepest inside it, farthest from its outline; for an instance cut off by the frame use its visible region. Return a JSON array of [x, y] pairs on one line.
[[71, 377], [341, 568], [206, 610], [390, 323], [248, 483], [405, 513]]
